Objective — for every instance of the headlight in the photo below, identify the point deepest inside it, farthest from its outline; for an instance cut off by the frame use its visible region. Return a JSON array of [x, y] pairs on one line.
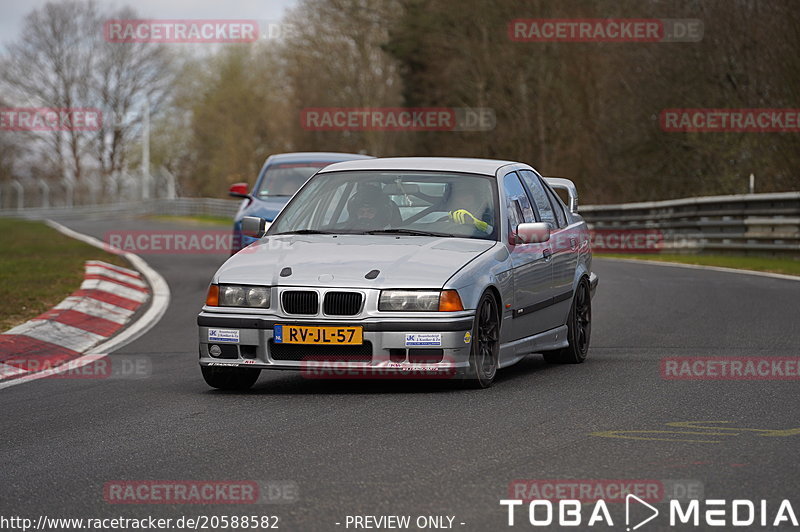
[[232, 295], [419, 301], [257, 296]]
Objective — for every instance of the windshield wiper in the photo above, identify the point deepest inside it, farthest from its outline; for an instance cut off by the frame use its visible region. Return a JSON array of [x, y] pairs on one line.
[[306, 232], [411, 232]]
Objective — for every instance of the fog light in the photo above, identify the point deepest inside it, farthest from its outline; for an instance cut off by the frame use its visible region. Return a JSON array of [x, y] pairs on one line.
[[215, 350]]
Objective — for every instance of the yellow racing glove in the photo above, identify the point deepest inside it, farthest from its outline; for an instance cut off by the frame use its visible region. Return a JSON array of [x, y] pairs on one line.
[[463, 216]]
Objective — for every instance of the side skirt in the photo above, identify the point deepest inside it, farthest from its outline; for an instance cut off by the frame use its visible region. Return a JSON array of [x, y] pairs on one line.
[[513, 352]]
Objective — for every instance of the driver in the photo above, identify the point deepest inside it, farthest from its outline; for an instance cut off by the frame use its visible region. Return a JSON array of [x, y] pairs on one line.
[[468, 206], [369, 209]]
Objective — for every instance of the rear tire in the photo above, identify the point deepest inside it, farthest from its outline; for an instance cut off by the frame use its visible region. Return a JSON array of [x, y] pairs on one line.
[[579, 329], [230, 378], [485, 351]]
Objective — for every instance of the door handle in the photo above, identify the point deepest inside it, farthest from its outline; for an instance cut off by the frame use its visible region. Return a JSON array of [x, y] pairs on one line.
[[546, 254]]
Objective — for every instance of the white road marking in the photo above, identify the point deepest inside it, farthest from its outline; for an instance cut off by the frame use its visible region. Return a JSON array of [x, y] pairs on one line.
[[111, 274], [9, 371], [108, 266], [58, 333], [114, 288], [96, 308]]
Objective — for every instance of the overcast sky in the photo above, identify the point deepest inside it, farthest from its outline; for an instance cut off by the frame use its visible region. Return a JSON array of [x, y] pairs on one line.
[[12, 12]]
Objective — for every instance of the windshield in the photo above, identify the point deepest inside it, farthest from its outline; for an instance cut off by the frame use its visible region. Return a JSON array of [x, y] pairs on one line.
[[283, 179], [410, 203]]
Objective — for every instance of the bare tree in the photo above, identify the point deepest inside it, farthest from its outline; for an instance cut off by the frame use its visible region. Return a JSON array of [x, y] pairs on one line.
[[124, 76], [62, 61], [48, 67]]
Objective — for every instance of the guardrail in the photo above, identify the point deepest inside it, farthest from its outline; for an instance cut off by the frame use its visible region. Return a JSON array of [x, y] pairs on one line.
[[764, 224], [158, 207]]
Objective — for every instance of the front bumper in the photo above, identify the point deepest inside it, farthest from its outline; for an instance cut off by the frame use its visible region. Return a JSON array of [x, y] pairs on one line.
[[390, 345]]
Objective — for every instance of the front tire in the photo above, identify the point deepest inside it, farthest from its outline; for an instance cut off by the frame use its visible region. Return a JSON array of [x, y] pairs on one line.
[[579, 329], [485, 352], [230, 378]]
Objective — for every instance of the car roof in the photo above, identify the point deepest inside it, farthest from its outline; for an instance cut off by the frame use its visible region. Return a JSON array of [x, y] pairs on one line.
[[304, 156], [445, 164]]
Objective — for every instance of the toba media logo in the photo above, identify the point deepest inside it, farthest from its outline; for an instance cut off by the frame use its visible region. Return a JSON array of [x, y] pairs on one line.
[[695, 513]]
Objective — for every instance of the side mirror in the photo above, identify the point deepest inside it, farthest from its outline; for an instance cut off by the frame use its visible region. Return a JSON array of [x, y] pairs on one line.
[[532, 233], [253, 226], [239, 190]]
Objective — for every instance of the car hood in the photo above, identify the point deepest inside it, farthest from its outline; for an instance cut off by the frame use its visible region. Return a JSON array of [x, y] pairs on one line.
[[267, 208], [344, 261]]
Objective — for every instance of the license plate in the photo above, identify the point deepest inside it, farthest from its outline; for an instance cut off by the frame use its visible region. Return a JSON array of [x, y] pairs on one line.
[[302, 334]]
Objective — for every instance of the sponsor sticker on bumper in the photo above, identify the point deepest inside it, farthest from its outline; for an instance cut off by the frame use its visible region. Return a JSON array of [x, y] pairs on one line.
[[223, 335], [423, 339]]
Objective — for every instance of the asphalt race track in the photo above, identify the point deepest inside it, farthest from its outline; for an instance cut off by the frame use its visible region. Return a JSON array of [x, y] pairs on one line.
[[356, 447]]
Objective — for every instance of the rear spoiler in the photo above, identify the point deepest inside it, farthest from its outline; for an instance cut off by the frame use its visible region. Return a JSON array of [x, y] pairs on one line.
[[569, 187]]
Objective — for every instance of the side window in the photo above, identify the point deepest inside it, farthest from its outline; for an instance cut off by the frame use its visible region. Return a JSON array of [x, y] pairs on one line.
[[558, 207], [540, 198], [519, 206]]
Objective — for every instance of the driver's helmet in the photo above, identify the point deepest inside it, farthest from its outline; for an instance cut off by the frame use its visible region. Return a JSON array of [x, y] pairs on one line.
[[369, 207]]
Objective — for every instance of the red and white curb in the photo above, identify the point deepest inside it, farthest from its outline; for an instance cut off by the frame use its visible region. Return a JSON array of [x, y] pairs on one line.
[[86, 325]]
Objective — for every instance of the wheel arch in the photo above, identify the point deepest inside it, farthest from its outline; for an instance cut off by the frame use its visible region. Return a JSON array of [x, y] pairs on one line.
[[498, 301]]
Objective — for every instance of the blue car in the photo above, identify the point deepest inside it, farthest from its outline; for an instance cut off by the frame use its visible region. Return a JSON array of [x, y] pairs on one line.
[[280, 177]]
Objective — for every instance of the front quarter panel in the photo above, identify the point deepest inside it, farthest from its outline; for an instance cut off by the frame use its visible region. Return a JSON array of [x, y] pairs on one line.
[[491, 270]]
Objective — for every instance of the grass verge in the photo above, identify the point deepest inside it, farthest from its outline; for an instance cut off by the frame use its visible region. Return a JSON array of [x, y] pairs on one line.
[[39, 267], [760, 264]]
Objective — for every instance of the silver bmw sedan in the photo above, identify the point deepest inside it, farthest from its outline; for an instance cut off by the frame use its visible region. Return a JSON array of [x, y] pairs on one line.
[[405, 267]]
